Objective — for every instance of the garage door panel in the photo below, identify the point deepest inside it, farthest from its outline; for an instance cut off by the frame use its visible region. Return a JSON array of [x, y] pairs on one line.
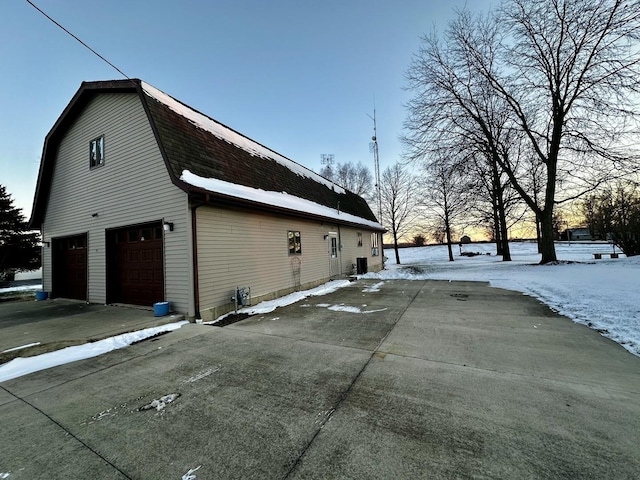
[[70, 267], [146, 276], [139, 269], [147, 256]]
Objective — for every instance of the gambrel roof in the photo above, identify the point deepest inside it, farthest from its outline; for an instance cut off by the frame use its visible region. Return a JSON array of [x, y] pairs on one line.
[[214, 163]]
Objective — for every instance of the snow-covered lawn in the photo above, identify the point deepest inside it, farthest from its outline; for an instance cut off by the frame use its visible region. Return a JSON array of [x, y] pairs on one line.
[[603, 294]]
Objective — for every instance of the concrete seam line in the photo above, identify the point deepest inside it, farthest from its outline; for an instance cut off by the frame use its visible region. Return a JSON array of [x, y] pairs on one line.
[[300, 340], [347, 391], [71, 434]]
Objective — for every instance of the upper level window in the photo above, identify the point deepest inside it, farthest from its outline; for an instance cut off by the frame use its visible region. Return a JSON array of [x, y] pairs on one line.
[[374, 245], [295, 243], [96, 152], [359, 239]]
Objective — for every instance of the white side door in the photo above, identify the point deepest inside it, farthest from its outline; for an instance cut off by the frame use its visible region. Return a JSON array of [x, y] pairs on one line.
[[334, 259]]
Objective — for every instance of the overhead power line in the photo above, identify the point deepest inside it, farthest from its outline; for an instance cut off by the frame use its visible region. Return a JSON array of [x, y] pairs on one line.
[[80, 41]]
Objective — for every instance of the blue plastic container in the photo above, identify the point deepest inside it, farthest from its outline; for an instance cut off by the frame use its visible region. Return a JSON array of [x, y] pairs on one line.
[[160, 309], [42, 296]]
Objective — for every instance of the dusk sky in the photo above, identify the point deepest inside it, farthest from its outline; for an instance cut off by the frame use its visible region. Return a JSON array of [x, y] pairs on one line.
[[298, 76]]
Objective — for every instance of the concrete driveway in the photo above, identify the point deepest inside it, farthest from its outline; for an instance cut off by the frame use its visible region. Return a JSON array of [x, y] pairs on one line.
[[408, 379]]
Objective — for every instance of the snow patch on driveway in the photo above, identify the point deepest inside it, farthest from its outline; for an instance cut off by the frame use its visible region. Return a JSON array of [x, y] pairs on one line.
[[25, 365]]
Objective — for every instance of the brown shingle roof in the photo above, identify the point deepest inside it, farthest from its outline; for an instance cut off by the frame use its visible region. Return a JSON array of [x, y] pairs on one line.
[[221, 154]]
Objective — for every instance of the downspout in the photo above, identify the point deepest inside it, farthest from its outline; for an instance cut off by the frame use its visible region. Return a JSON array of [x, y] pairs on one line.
[[339, 245], [194, 259], [42, 262], [340, 249]]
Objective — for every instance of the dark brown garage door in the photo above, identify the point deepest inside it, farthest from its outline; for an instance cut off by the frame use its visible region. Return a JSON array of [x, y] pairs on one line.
[[135, 265], [70, 267]]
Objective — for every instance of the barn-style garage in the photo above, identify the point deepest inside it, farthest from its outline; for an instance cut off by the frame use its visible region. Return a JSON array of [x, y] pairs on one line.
[[142, 199]]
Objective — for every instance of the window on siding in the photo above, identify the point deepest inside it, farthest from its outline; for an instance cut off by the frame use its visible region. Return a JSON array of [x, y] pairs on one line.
[[295, 244], [359, 239], [96, 152], [374, 245], [334, 247]]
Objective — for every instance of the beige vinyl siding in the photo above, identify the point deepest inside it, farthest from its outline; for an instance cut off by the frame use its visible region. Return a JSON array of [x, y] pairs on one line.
[[132, 187], [46, 266], [243, 248], [350, 250], [375, 263]]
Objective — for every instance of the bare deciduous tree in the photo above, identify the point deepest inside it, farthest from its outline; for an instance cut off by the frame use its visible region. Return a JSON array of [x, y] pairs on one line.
[[446, 198], [355, 178], [454, 109], [562, 73], [568, 72], [399, 202]]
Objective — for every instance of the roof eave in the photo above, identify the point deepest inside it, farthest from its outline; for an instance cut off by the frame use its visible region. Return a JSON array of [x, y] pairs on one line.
[[210, 196]]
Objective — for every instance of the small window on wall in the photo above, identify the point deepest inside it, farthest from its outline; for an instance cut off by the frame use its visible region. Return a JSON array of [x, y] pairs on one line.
[[295, 245], [334, 247], [359, 239], [374, 245], [96, 152]]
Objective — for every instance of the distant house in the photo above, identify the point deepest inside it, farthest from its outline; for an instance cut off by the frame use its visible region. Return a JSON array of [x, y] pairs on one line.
[[575, 234], [141, 199]]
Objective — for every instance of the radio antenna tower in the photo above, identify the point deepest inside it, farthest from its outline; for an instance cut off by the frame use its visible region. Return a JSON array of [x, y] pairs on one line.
[[374, 147], [327, 159]]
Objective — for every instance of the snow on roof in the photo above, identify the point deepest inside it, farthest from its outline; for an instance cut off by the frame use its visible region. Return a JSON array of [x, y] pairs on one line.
[[279, 199], [225, 133]]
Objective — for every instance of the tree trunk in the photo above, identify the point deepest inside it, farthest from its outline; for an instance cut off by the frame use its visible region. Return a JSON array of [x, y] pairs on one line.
[[497, 236], [506, 251], [499, 214], [546, 244], [502, 219], [448, 230], [395, 247], [538, 234]]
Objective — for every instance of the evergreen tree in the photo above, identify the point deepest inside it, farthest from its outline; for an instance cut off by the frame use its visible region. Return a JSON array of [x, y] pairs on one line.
[[19, 248]]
